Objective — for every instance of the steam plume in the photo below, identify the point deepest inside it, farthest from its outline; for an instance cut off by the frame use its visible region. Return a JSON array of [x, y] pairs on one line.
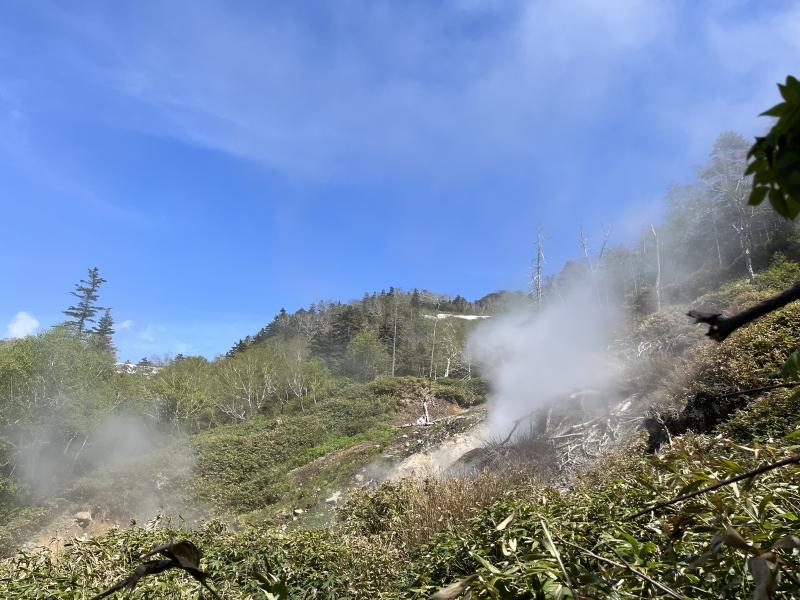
[[534, 358]]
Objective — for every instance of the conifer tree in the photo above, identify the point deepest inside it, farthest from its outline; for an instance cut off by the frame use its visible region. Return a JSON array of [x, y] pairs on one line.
[[415, 299], [104, 330], [86, 308]]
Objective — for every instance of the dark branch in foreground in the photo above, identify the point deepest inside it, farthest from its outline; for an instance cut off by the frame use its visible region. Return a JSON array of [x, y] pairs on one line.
[[720, 327], [181, 555], [626, 566], [793, 459], [765, 388]]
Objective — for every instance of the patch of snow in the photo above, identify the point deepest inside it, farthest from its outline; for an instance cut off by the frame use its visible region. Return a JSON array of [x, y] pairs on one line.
[[440, 316]]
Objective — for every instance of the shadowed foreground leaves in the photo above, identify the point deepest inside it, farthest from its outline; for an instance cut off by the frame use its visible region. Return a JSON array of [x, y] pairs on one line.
[[180, 555]]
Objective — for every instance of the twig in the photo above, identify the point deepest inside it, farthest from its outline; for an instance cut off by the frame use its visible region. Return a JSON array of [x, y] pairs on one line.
[[565, 435], [721, 327], [789, 574], [555, 553], [646, 577], [765, 388], [627, 566], [516, 424], [794, 459]]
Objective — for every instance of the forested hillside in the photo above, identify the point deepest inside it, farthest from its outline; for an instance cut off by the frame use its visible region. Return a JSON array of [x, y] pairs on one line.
[[318, 407]]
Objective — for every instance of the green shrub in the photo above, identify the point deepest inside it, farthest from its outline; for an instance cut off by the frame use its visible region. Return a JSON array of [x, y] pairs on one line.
[[464, 393], [247, 564], [770, 417], [781, 273], [245, 467], [550, 545], [702, 392]]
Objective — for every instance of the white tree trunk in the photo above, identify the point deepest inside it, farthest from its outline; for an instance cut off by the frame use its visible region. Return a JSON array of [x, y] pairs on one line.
[[658, 270], [394, 338], [433, 344]]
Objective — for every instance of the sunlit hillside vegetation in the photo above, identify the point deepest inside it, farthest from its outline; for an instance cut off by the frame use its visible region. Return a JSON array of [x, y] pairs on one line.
[[511, 535], [241, 453]]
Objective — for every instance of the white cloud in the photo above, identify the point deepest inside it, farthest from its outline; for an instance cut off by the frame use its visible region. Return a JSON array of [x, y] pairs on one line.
[[126, 325], [395, 87], [446, 89], [23, 324]]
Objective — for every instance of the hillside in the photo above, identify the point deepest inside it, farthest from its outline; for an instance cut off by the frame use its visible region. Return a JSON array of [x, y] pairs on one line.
[[510, 531], [409, 442], [460, 300]]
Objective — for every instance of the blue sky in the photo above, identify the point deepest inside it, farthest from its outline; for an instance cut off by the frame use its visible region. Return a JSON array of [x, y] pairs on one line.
[[221, 160]]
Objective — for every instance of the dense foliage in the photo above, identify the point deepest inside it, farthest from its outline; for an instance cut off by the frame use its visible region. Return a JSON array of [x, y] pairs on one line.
[[525, 541], [775, 157], [291, 412]]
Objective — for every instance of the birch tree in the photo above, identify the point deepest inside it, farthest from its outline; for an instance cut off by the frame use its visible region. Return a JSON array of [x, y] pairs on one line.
[[248, 383]]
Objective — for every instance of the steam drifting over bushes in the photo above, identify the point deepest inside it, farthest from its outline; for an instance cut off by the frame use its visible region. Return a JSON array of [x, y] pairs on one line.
[[533, 359]]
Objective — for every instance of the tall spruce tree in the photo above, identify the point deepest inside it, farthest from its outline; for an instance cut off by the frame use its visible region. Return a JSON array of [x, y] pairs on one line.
[[86, 291], [104, 330]]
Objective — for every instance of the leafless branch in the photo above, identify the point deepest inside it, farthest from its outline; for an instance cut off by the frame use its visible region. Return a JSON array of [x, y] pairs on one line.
[[765, 388], [793, 459], [626, 566], [721, 327], [181, 555]]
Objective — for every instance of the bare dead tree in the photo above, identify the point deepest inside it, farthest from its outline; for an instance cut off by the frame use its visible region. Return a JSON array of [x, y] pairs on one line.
[[394, 337], [721, 327], [658, 270], [433, 344], [537, 269], [606, 235], [452, 347], [584, 242], [593, 264], [713, 206], [742, 229], [468, 358]]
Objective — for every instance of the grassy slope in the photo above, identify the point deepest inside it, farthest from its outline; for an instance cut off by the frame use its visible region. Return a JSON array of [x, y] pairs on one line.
[[265, 465], [257, 470], [547, 549]]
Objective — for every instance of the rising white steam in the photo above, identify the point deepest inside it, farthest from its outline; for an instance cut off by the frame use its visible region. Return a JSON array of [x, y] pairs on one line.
[[123, 466], [533, 358]]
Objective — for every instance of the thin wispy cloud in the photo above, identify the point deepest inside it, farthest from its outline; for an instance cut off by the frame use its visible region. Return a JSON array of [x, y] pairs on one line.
[[149, 333], [416, 88], [411, 91]]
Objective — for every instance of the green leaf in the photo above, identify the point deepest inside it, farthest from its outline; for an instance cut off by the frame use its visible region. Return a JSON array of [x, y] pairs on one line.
[[757, 195], [790, 91], [793, 436], [776, 111], [791, 367], [731, 465], [486, 564], [780, 204]]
